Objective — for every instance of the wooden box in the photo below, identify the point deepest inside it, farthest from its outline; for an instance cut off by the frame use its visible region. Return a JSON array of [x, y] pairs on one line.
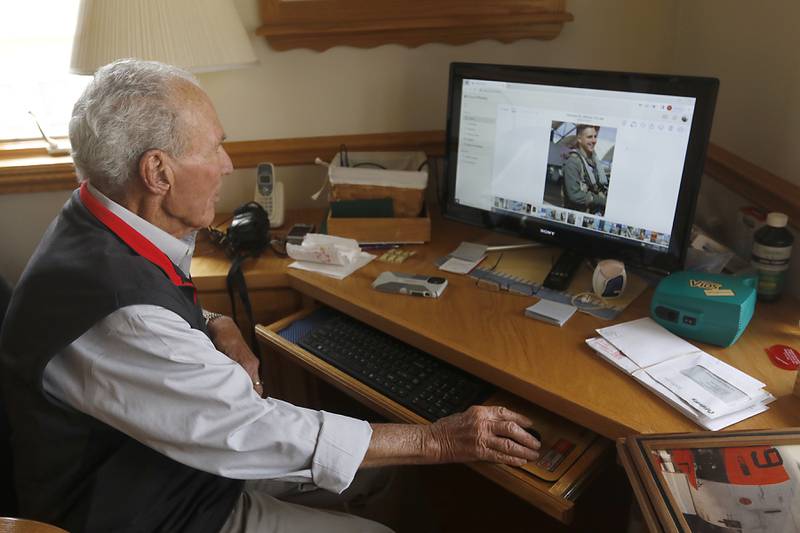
[[373, 230]]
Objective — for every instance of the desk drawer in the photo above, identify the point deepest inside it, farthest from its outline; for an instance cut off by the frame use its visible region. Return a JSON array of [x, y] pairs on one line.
[[554, 490]]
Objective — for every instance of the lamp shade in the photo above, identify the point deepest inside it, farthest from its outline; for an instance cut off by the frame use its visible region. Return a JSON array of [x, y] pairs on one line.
[[198, 35]]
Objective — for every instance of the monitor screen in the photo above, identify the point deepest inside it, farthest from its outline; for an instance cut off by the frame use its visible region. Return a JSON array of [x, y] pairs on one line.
[[605, 163]]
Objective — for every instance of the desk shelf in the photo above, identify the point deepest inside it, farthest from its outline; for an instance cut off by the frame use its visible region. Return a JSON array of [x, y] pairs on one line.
[[556, 498]]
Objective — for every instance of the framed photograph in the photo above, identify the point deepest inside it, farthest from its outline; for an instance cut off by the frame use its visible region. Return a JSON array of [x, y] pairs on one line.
[[731, 482]]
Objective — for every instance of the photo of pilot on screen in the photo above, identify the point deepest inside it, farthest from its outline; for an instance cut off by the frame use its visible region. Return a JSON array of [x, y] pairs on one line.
[[579, 166]]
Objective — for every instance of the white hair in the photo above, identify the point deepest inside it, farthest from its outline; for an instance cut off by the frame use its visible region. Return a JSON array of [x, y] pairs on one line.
[[130, 107]]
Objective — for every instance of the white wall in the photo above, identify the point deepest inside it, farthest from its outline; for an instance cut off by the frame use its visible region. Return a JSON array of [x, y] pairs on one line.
[[23, 219], [752, 48], [346, 90], [343, 90]]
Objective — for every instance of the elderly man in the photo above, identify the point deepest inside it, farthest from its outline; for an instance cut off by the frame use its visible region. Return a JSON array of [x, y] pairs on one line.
[[130, 410]]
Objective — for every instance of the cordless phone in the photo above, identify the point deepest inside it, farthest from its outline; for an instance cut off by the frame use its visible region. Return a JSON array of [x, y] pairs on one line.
[[269, 194]]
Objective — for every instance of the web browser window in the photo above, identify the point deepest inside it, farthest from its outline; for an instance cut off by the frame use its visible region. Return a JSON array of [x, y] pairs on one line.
[[520, 151]]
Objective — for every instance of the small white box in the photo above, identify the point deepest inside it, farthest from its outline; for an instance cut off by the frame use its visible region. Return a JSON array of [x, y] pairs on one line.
[[551, 312]]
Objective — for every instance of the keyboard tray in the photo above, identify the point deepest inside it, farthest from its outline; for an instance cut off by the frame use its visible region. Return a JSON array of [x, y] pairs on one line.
[[417, 380], [554, 492]]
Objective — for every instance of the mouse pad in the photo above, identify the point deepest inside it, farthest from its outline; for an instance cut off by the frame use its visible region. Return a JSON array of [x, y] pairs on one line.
[[530, 266], [563, 442]]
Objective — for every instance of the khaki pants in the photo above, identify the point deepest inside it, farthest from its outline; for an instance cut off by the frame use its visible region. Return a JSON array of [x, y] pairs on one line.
[[267, 506]]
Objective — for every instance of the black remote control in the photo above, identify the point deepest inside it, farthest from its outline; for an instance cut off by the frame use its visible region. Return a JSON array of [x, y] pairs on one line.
[[562, 272]]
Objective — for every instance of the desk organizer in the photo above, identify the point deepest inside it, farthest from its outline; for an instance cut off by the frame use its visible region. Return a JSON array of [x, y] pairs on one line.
[[393, 180], [372, 175]]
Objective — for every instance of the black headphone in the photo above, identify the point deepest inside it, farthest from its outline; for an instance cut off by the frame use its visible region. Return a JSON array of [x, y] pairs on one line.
[[247, 236], [248, 233]]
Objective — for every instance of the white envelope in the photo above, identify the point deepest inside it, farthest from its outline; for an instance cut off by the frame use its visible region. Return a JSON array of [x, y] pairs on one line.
[[645, 341], [707, 384]]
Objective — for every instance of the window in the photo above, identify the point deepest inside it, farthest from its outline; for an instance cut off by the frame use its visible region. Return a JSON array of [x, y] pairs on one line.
[[35, 49]]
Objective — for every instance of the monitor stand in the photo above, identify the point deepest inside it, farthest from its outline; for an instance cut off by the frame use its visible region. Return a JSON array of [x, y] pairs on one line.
[[562, 272]]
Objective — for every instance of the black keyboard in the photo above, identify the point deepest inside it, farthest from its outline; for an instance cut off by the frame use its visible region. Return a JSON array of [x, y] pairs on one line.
[[411, 377]]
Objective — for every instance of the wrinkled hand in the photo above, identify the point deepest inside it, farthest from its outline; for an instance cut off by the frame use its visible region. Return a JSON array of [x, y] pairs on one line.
[[228, 339], [484, 433]]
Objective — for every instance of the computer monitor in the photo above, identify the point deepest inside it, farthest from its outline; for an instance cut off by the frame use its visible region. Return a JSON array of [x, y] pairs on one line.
[[607, 164]]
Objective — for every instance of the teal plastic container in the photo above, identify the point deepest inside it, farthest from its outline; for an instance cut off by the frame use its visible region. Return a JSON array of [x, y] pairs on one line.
[[712, 308]]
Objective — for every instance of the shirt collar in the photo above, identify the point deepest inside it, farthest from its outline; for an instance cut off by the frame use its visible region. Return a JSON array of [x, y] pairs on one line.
[[179, 251]]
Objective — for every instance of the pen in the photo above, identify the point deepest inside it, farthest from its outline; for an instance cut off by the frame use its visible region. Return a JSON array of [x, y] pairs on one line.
[[379, 246]]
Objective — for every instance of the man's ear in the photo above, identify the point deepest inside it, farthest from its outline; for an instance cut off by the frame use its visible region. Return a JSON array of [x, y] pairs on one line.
[[155, 172]]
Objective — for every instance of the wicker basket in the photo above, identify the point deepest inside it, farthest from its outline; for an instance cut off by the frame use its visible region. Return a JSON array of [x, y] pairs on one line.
[[401, 179]]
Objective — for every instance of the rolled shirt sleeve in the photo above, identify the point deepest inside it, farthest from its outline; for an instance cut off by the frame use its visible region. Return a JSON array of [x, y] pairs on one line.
[[341, 446], [144, 371]]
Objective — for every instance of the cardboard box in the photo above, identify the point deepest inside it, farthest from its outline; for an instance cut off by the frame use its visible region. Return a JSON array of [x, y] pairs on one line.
[[379, 230]]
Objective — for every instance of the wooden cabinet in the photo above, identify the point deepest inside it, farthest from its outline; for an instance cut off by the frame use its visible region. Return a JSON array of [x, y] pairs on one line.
[[269, 305]]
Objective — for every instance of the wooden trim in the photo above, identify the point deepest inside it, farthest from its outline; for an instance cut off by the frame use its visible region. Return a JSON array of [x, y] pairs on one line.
[[23, 148], [37, 173], [754, 183], [322, 24], [25, 166]]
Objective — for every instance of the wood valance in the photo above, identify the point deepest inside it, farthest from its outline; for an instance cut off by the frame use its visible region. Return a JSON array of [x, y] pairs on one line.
[[322, 24]]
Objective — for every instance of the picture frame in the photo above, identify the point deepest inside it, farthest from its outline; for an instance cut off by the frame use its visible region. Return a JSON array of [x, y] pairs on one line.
[[714, 482]]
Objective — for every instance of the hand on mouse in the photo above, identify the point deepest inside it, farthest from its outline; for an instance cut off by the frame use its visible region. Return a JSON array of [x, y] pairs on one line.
[[484, 433]]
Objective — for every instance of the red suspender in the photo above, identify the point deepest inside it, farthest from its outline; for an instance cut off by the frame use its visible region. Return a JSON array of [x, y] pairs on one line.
[[134, 239]]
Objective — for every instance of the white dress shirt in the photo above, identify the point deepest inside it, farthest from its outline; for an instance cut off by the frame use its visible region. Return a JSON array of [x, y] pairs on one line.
[[144, 371]]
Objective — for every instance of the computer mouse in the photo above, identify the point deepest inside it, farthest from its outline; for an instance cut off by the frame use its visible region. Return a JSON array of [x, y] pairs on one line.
[[535, 434]]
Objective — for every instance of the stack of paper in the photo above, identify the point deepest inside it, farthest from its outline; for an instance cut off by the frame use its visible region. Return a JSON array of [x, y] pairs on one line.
[[707, 390], [332, 256]]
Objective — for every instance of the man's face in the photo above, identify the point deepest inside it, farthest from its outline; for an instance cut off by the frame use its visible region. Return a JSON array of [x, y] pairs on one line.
[[587, 138], [197, 173]]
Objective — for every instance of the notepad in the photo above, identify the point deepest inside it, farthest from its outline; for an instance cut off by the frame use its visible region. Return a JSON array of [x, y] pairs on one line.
[[551, 312], [464, 258]]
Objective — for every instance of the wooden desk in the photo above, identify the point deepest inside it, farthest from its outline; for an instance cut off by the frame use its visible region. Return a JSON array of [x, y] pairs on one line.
[[486, 334]]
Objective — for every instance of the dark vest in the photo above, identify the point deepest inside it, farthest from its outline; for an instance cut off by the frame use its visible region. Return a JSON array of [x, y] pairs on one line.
[[71, 469]]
